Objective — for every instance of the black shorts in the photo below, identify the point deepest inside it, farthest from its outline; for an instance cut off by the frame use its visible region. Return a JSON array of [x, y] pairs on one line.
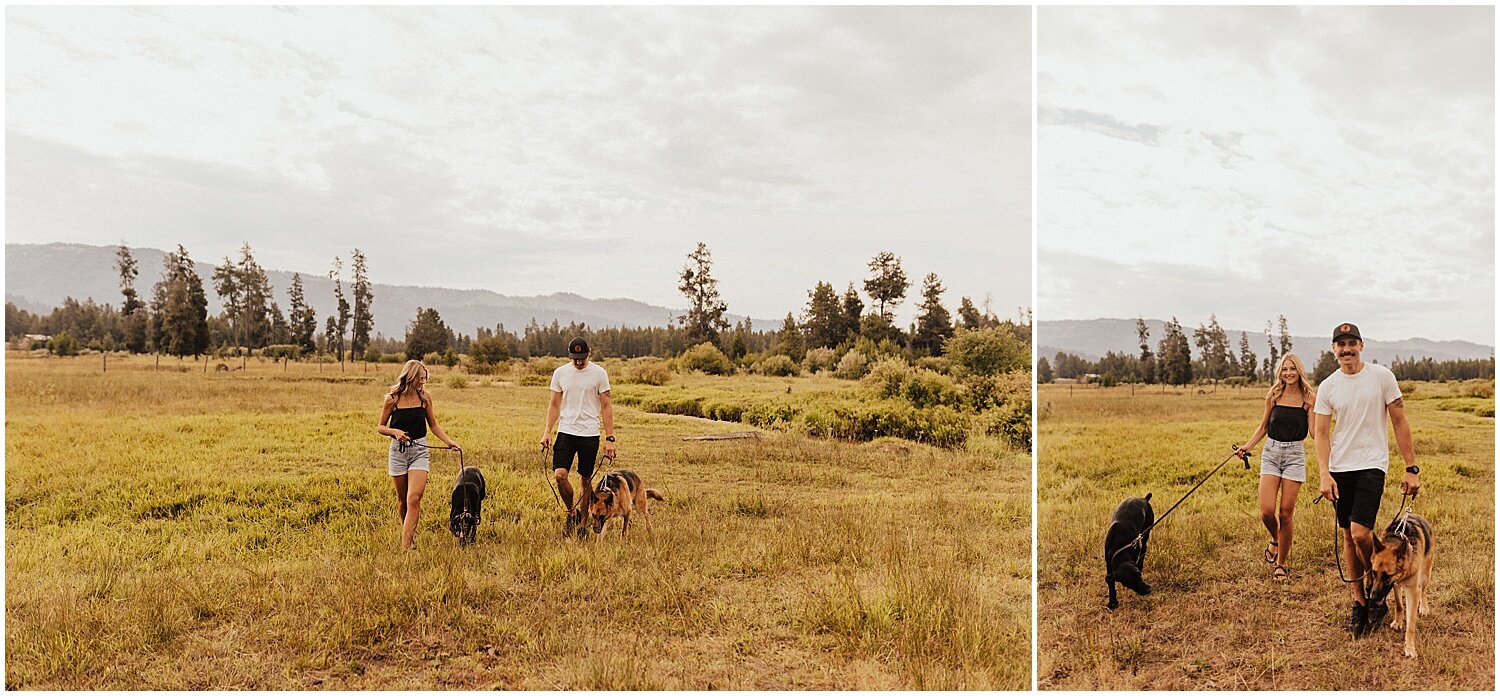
[[1359, 496], [587, 449]]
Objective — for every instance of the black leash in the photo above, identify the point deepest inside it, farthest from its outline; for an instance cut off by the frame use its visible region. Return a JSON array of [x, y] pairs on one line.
[[1141, 537], [1400, 520], [551, 483], [401, 446]]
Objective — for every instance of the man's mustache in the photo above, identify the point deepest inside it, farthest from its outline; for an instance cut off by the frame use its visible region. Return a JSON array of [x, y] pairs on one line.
[[1346, 354]]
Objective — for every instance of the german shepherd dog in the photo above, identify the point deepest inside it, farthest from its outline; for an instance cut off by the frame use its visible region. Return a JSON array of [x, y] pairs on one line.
[[620, 494], [1123, 559], [468, 494], [1403, 561]]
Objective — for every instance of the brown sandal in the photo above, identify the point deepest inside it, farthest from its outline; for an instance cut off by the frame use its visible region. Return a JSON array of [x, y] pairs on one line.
[[1270, 555], [1280, 572]]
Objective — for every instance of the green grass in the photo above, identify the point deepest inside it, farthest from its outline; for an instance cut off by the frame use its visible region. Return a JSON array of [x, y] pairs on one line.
[[1216, 620], [183, 530]]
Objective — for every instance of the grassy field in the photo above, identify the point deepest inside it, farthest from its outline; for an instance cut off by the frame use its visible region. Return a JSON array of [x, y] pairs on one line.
[[183, 530], [1216, 619]]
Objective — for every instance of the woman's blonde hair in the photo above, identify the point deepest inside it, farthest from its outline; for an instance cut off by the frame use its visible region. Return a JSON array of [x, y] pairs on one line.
[[408, 380], [1278, 387]]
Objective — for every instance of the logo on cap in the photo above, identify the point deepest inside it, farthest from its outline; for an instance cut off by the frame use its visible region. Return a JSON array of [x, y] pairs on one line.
[[1344, 327]]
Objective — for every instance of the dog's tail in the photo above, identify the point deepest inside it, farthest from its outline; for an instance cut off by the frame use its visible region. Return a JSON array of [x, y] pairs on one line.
[[654, 494], [1148, 496]]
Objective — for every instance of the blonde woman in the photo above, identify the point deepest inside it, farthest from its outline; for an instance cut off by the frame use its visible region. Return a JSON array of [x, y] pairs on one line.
[[1283, 461], [406, 416]]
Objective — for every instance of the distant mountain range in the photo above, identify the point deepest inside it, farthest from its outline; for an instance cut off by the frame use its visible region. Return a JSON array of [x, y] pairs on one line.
[[1092, 338], [39, 276]]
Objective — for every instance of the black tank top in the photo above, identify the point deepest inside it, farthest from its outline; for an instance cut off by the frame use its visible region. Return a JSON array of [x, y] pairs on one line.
[[412, 421], [1288, 423]]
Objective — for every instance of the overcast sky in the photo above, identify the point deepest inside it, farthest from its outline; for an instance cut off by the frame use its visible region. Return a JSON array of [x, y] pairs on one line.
[[1331, 164], [535, 150]]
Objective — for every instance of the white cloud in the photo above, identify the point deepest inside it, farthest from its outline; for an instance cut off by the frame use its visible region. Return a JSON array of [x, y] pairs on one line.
[[521, 149], [1331, 164]]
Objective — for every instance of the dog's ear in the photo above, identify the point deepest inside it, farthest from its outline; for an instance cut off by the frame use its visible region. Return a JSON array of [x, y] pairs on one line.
[[1148, 497], [1375, 540]]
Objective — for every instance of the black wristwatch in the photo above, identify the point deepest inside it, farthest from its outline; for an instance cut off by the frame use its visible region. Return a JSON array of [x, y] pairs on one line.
[[609, 438], [1413, 469]]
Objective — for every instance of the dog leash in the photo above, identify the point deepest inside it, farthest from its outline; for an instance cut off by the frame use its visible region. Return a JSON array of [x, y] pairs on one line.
[[1142, 536], [551, 484], [1401, 520], [402, 445]]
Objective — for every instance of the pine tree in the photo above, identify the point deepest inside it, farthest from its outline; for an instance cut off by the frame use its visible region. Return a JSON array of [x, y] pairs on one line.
[[789, 340], [1327, 365], [182, 328], [887, 284], [132, 312], [934, 324], [302, 319], [1176, 355], [823, 319], [1247, 358], [704, 320], [854, 309], [969, 314], [338, 324], [427, 334], [364, 299], [1043, 371], [1285, 334], [232, 294]]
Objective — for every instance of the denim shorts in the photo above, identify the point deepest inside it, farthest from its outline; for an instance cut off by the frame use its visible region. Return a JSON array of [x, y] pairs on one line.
[[412, 456], [1287, 460]]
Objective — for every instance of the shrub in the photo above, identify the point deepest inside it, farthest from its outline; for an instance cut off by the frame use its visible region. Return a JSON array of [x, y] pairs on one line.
[[936, 364], [393, 357], [489, 351], [647, 371], [770, 415], [988, 351], [283, 350], [927, 388], [1479, 388], [983, 392], [706, 357], [854, 365], [432, 359], [457, 381], [888, 378], [820, 360], [1237, 381], [941, 425], [371, 355], [63, 344], [1012, 423], [534, 380], [778, 366]]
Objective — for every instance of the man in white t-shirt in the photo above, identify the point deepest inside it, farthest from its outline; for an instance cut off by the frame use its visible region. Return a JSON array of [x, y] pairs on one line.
[[580, 404], [1353, 463]]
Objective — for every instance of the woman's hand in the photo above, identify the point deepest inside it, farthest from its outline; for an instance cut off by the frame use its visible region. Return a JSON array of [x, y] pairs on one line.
[[1242, 451], [401, 436], [454, 446]]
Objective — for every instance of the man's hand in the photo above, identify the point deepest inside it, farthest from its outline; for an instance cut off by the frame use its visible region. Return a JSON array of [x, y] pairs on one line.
[[609, 449], [546, 441], [1410, 484], [1329, 489]]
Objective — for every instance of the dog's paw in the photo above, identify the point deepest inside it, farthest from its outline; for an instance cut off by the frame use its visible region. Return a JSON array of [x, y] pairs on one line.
[[1410, 651], [1423, 610], [1113, 603], [1145, 589], [1396, 623]]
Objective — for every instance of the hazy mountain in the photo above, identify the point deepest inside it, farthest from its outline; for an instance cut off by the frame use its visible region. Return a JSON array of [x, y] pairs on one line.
[[39, 276], [1092, 338]]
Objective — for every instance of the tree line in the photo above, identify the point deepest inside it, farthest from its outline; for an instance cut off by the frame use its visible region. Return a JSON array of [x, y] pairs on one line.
[[175, 321], [1173, 363]]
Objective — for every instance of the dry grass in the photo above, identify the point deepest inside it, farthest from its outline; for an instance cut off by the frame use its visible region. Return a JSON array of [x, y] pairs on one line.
[[1216, 620], [182, 530]]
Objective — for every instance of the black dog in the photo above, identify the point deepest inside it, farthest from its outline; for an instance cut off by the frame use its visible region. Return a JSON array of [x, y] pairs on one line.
[[1123, 555], [468, 493]]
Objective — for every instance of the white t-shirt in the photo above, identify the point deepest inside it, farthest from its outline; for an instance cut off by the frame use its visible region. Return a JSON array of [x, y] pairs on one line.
[[580, 400], [1357, 403]]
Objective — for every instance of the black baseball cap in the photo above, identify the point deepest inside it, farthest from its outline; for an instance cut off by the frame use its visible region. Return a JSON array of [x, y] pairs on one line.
[[1343, 330], [578, 348]]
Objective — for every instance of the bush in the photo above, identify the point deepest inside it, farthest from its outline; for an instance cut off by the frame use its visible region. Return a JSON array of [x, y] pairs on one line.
[[63, 344], [457, 381], [941, 425], [371, 355], [1479, 388], [651, 371], [534, 380], [936, 364], [888, 378], [283, 350], [1012, 423], [988, 351], [777, 366], [820, 360], [983, 392], [706, 357], [927, 388], [1237, 381], [449, 358], [393, 357], [488, 351], [432, 359], [770, 415], [854, 365]]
